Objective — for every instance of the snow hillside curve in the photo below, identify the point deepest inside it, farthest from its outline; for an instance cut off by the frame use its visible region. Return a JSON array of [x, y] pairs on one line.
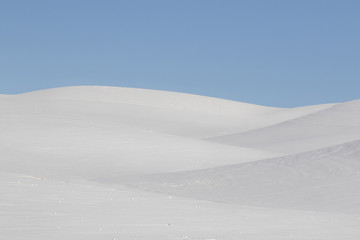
[[194, 116], [337, 124], [326, 179], [95, 162]]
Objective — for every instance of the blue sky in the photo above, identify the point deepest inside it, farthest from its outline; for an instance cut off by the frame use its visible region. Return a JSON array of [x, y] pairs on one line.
[[275, 53]]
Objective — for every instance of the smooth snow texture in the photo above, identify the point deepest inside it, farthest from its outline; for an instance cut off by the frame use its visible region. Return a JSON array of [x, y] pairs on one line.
[[335, 125], [35, 208], [120, 163], [176, 113], [326, 179]]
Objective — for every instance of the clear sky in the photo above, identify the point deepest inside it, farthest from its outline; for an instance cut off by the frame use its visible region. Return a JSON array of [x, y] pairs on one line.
[[276, 53]]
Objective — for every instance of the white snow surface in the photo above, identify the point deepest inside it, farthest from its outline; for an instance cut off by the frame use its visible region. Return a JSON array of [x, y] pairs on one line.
[[337, 124], [119, 163]]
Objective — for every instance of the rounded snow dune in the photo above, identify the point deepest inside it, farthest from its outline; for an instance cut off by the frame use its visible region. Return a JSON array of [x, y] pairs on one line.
[[72, 161], [168, 112], [335, 125], [88, 131], [56, 140], [151, 98], [322, 180], [85, 153]]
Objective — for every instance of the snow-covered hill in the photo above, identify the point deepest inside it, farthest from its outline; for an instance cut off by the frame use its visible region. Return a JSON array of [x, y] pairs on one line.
[[337, 124], [326, 179], [118, 163], [167, 112]]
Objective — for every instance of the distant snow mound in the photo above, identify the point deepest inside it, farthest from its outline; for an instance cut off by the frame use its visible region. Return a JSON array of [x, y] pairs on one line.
[[153, 98], [343, 114], [339, 123]]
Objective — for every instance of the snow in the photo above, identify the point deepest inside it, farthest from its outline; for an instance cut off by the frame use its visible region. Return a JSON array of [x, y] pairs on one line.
[[335, 125], [322, 180], [119, 163]]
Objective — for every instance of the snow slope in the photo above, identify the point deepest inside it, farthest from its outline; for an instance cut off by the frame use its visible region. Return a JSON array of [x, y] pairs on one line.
[[51, 136], [35, 208], [175, 113], [326, 179], [335, 125], [118, 163]]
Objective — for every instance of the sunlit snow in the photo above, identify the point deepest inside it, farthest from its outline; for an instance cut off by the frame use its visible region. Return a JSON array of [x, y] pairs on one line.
[[121, 163]]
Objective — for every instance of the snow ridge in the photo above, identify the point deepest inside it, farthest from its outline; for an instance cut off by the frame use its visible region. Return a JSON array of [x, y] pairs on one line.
[[93, 162]]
